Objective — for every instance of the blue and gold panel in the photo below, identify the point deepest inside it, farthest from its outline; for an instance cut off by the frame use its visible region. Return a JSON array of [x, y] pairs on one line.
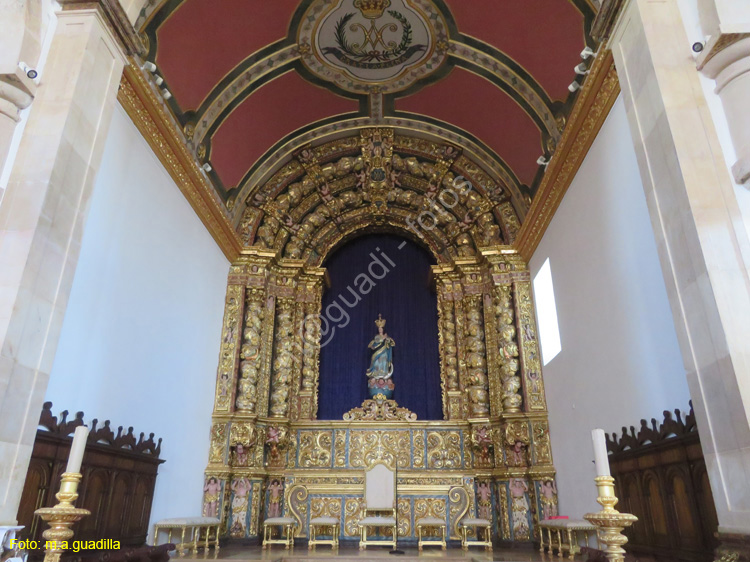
[[407, 448]]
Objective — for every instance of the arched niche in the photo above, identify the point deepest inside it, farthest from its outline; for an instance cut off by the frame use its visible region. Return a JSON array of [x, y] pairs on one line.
[[373, 274]]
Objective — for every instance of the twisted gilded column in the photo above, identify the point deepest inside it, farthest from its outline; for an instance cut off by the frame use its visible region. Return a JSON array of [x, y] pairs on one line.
[[476, 359], [508, 349], [283, 359], [250, 356]]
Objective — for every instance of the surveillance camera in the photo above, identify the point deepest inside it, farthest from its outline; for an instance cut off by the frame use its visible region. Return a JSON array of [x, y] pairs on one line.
[[166, 94], [148, 65], [698, 46], [30, 72], [587, 52], [207, 167], [574, 86], [158, 80], [542, 161]]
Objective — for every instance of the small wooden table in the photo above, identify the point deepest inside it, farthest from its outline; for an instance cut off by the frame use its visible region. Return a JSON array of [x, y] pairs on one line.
[[193, 525], [567, 533]]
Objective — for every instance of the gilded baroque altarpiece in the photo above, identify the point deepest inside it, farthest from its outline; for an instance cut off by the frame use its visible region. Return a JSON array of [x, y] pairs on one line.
[[490, 456]]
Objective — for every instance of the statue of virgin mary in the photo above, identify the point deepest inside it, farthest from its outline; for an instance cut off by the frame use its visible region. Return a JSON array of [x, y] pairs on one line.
[[381, 364]]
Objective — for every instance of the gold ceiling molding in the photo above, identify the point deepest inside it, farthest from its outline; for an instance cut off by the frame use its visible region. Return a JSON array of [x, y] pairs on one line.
[[591, 109], [154, 123]]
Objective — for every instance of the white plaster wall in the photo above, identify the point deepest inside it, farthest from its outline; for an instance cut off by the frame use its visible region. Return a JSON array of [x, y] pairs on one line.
[[140, 339], [620, 359]]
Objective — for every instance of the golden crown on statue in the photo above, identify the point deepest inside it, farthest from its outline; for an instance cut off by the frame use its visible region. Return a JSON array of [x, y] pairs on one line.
[[380, 322], [372, 9]]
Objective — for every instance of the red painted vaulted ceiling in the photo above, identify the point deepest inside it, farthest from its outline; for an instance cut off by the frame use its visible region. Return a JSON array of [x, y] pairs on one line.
[[198, 43]]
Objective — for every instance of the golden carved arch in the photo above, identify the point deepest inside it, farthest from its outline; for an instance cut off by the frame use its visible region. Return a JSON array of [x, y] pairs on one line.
[[381, 180]]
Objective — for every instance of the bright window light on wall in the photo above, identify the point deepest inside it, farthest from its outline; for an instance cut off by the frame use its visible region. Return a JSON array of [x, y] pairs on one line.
[[544, 296]]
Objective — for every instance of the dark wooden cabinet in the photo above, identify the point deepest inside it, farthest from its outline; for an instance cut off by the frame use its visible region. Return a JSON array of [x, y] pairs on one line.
[[660, 476], [119, 476]]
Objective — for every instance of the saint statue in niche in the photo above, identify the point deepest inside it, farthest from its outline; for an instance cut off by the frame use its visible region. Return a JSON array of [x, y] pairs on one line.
[[381, 364]]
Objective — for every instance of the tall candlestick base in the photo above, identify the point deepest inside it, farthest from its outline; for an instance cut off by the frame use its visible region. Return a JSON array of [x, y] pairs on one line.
[[61, 517], [610, 522]]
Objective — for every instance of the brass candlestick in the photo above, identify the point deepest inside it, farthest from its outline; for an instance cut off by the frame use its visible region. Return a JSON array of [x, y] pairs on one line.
[[61, 517], [610, 522]]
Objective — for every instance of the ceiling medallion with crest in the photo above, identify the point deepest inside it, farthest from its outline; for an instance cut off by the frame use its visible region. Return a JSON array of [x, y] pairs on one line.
[[361, 44]]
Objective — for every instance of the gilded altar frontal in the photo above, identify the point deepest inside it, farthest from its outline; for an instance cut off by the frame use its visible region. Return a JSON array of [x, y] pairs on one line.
[[489, 456]]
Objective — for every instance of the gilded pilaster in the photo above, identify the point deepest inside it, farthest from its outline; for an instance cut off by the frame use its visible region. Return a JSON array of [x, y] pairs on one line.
[[458, 312], [297, 349], [311, 292], [228, 355], [255, 508], [266, 354], [530, 359]]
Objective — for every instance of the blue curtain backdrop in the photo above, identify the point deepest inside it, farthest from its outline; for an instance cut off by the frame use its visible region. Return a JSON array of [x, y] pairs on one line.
[[405, 300]]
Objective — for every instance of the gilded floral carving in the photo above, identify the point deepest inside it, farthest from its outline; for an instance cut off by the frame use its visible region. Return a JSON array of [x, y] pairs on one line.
[[218, 443], [419, 449], [430, 507], [340, 448], [510, 220], [353, 508], [443, 449], [542, 449], [380, 410], [315, 448], [368, 446]]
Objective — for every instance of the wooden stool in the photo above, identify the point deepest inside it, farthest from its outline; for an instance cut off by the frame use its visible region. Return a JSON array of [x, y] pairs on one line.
[[318, 522], [477, 524], [431, 522], [287, 526], [193, 526]]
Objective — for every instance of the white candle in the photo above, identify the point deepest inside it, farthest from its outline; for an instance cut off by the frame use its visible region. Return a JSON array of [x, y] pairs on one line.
[[600, 452], [77, 449]]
